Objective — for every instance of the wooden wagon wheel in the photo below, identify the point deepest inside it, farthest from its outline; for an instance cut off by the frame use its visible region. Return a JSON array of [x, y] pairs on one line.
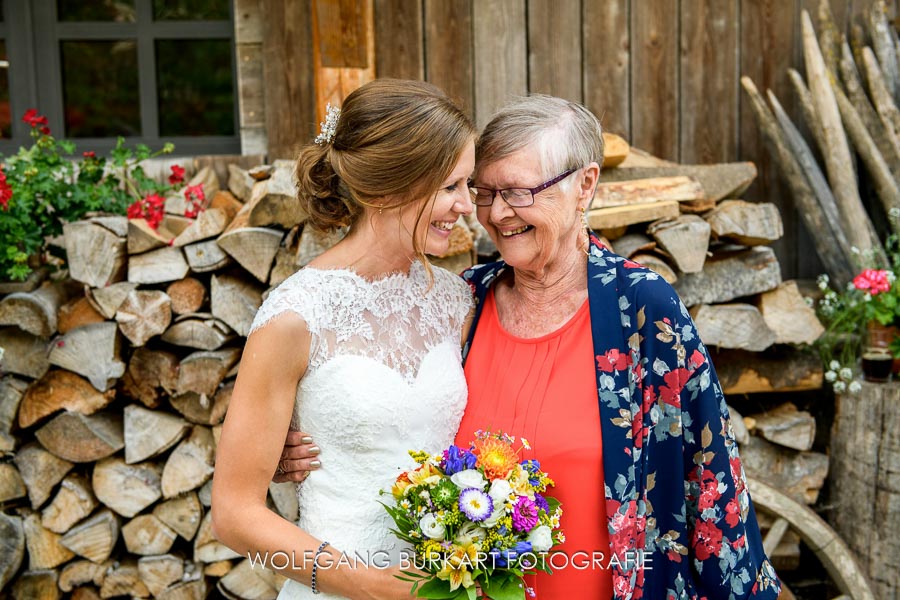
[[827, 545]]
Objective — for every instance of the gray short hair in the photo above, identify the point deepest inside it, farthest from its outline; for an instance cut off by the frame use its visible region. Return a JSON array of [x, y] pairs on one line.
[[566, 134]]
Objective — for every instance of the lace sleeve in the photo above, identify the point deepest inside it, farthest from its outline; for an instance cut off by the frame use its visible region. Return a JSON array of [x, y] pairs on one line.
[[290, 296], [458, 297]]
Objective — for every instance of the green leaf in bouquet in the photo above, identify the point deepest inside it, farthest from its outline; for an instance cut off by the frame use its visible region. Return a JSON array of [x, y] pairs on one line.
[[437, 589], [552, 504], [504, 587]]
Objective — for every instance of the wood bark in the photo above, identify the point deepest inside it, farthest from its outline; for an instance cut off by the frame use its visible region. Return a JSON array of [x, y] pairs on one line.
[[780, 369], [787, 314], [734, 325], [12, 391], [77, 313], [807, 109], [94, 254], [190, 464], [686, 239], [718, 181], [615, 150], [82, 438], [12, 547], [108, 299], [883, 34], [41, 471], [273, 201], [207, 256], [159, 572], [81, 572], [143, 238], [34, 312], [731, 275], [881, 96], [124, 580], [91, 351], [24, 354], [38, 584], [208, 224], [158, 266], [621, 216], [12, 485], [786, 426], [235, 301], [151, 376], [746, 223], [800, 475], [199, 333], [45, 548], [619, 193]]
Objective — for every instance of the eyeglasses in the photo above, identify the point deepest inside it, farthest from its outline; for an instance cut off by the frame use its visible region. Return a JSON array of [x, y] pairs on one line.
[[514, 197]]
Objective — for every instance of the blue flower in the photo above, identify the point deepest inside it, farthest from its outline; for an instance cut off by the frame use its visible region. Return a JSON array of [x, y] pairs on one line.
[[534, 468], [457, 459], [541, 503], [502, 558]]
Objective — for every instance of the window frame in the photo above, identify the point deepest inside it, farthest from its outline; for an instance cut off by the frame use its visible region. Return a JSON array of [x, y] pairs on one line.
[[39, 84]]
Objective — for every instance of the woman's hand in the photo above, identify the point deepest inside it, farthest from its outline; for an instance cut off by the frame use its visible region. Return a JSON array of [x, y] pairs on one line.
[[299, 457]]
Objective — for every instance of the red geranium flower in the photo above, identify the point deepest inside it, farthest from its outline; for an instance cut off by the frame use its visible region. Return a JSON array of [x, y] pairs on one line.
[[33, 119], [196, 200], [874, 281], [90, 154], [177, 175]]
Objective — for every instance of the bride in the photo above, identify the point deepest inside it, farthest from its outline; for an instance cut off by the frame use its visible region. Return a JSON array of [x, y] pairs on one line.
[[361, 348]]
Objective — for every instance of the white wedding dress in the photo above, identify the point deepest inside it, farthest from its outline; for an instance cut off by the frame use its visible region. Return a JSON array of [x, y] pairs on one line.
[[384, 377]]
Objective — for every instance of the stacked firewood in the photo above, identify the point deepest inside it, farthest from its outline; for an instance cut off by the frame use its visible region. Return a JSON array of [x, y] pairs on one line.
[[115, 382]]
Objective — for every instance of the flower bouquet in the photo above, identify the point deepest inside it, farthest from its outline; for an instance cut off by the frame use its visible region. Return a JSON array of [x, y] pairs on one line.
[[476, 517]]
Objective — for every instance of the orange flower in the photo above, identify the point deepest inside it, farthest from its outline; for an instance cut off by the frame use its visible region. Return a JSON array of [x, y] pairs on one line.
[[496, 457]]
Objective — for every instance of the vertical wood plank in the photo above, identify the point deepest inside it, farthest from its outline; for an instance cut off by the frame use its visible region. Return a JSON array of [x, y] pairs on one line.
[[448, 49], [501, 66], [554, 48], [288, 73], [654, 77], [768, 30], [709, 81], [607, 64], [398, 39]]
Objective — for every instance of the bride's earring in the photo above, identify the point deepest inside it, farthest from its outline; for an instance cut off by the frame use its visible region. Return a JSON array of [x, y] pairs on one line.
[[587, 231]]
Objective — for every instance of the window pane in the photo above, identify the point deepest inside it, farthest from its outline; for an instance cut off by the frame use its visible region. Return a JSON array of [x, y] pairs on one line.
[[120, 11], [5, 113], [100, 88], [195, 87], [190, 10]]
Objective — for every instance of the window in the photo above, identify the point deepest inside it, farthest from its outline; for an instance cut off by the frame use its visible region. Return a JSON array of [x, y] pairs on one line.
[[152, 71]]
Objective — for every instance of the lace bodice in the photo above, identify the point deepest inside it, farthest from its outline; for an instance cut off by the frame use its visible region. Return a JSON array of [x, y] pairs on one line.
[[384, 377]]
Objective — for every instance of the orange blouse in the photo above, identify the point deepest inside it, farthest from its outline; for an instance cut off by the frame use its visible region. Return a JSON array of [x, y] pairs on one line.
[[544, 389]]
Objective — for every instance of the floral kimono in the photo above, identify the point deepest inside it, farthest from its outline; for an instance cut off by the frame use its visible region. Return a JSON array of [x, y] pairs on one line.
[[678, 510]]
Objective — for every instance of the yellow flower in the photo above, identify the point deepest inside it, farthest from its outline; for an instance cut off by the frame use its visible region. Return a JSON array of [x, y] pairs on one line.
[[519, 482], [398, 490], [496, 457], [427, 473], [456, 566]]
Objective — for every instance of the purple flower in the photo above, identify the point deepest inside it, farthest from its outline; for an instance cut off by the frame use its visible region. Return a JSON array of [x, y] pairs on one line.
[[457, 459], [525, 514], [541, 503], [475, 504], [533, 467], [502, 558]]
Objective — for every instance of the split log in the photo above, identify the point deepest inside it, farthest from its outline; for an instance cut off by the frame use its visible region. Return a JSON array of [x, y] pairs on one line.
[[182, 514], [730, 275], [620, 216], [74, 501], [202, 372], [206, 256], [657, 265], [12, 485], [34, 312], [150, 432], [146, 535], [41, 471], [81, 572], [884, 181], [32, 281], [314, 242], [77, 313], [126, 489], [45, 548], [859, 229], [95, 538], [284, 499], [828, 246], [240, 182], [261, 172], [189, 590], [656, 189], [883, 35], [124, 580], [204, 494], [159, 572], [108, 299], [190, 464], [12, 547], [11, 392], [37, 585], [144, 314], [632, 243], [694, 207], [208, 224], [82, 438], [789, 316], [200, 333], [685, 238], [253, 248], [143, 238], [615, 150], [235, 301], [786, 426], [91, 351], [61, 390], [227, 203], [746, 223], [217, 569], [829, 38], [273, 201], [718, 181], [807, 109], [800, 475], [859, 39], [151, 376], [24, 354], [95, 255], [172, 225], [284, 266], [187, 295], [157, 266], [735, 325], [245, 581], [207, 549], [881, 97], [199, 409], [780, 369], [884, 138]]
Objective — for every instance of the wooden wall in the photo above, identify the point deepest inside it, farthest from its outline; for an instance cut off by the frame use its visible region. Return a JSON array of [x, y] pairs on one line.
[[662, 73]]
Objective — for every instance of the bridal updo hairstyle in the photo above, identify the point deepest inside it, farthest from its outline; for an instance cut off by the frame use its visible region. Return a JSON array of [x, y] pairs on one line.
[[394, 139]]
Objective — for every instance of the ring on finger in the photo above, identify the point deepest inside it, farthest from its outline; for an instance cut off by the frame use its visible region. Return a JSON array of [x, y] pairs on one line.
[[281, 470]]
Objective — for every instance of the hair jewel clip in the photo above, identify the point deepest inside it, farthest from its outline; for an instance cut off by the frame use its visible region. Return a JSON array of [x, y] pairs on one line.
[[329, 125]]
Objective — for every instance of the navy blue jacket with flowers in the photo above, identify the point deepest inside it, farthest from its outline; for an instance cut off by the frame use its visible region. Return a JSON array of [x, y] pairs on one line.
[[675, 489]]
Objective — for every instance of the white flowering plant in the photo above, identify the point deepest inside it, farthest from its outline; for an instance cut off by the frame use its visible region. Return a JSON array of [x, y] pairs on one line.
[[476, 518]]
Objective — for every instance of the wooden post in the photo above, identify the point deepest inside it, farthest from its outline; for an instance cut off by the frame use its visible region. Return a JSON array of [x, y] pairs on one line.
[[865, 460]]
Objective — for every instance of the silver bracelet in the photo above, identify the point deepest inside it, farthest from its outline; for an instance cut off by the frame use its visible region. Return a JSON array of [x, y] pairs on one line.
[[313, 582]]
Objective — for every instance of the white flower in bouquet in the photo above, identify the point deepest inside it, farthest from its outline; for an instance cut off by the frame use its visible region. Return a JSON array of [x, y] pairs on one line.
[[541, 538], [432, 528], [500, 491], [470, 533], [470, 478]]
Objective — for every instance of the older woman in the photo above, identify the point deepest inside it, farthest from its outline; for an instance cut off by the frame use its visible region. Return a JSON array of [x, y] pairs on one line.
[[596, 361]]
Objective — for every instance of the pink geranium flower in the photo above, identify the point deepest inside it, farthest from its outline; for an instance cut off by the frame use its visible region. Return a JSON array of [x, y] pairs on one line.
[[874, 281]]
